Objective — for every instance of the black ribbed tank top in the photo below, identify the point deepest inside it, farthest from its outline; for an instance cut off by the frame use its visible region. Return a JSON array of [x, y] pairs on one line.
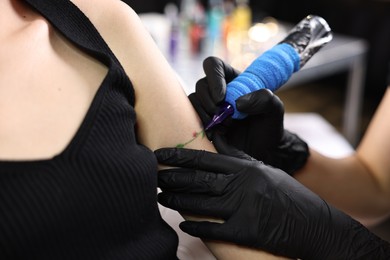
[[97, 198]]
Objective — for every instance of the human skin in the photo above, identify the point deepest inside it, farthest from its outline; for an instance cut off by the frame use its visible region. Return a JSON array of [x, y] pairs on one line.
[[32, 130], [360, 183]]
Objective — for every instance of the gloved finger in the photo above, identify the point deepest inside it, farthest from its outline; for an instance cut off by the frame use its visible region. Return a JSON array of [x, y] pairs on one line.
[[223, 147], [204, 115], [204, 96], [206, 230], [193, 204], [192, 181], [262, 101], [201, 160], [210, 64], [216, 73]]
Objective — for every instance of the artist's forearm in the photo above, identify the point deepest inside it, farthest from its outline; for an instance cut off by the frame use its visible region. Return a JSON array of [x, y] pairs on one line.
[[345, 183], [359, 184]]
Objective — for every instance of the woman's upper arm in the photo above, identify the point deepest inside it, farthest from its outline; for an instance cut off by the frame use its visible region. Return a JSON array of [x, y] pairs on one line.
[[165, 116]]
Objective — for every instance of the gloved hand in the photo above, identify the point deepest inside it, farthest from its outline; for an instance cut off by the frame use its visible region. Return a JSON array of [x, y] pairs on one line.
[[261, 134], [262, 208]]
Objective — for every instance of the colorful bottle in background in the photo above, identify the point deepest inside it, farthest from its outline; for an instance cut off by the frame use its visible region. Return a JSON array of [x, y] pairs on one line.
[[242, 16]]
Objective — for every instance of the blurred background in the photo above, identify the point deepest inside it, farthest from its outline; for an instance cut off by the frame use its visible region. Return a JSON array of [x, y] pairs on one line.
[[339, 88]]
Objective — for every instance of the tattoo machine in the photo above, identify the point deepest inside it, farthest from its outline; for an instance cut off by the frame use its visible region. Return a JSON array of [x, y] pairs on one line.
[[275, 66]]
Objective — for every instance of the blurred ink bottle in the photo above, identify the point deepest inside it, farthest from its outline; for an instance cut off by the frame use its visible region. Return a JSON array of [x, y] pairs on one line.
[[236, 37], [172, 13], [242, 16], [214, 22], [196, 30], [193, 20]]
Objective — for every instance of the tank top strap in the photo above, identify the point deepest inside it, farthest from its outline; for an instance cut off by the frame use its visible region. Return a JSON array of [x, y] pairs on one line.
[[69, 20]]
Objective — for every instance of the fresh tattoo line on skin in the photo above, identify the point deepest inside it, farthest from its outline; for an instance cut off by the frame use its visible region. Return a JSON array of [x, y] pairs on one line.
[[195, 135]]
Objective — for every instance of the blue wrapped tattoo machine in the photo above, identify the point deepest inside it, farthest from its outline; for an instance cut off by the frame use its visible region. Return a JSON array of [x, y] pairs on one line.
[[274, 67]]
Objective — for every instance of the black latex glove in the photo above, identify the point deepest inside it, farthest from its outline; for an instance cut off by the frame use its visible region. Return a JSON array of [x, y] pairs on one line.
[[262, 208], [261, 134]]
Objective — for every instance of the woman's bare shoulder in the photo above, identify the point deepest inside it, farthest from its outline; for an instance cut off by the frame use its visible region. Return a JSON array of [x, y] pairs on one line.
[[120, 27], [107, 15]]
